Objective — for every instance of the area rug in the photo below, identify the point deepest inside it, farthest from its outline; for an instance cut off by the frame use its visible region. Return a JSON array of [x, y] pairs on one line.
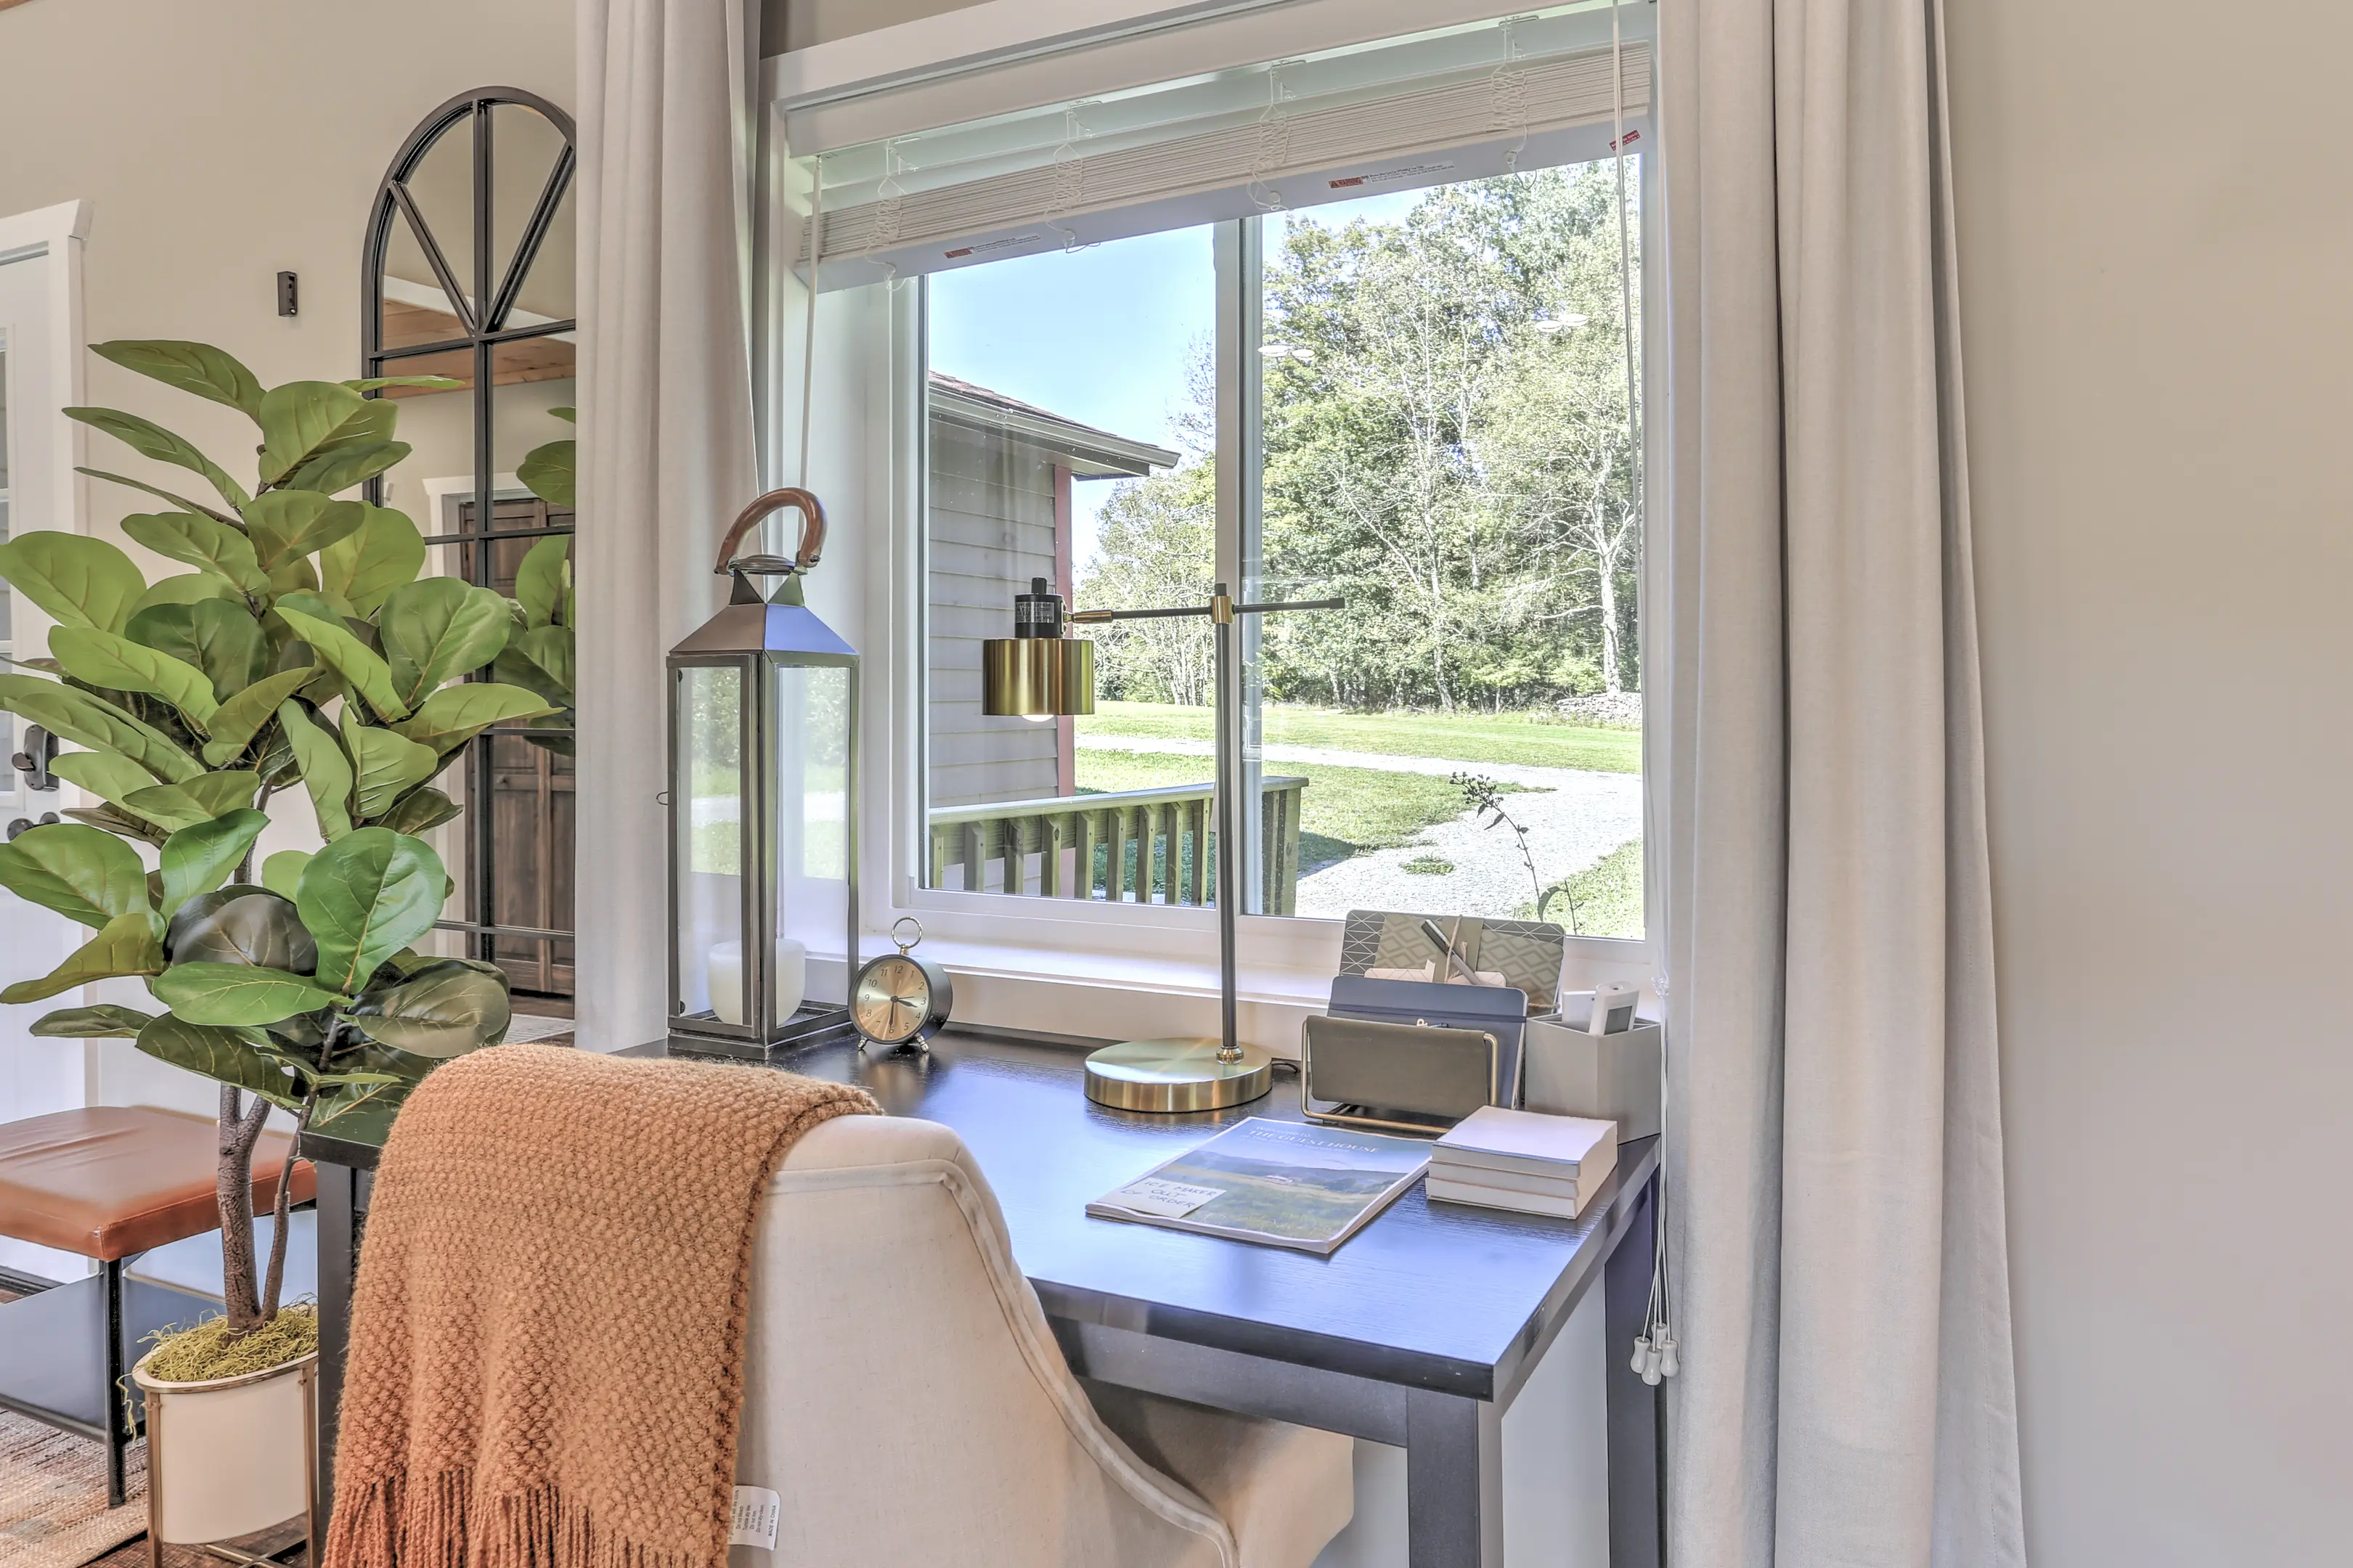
[[53, 1512], [537, 1026]]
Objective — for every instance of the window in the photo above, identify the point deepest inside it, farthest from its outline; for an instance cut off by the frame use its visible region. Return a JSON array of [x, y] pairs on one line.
[[1363, 326], [469, 276]]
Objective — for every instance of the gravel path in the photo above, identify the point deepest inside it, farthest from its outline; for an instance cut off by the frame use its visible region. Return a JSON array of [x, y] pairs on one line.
[[1577, 818]]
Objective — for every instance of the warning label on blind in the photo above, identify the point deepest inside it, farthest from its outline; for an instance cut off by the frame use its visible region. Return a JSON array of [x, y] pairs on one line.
[[984, 246], [1390, 176]]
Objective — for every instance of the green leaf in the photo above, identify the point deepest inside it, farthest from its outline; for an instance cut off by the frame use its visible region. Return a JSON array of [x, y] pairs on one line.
[[443, 1009], [547, 472], [182, 502], [282, 872], [192, 367], [118, 822], [385, 766], [456, 714], [118, 664], [235, 994], [194, 540], [223, 1055], [385, 553], [201, 799], [237, 721], [198, 859], [438, 382], [326, 772], [569, 415], [366, 896], [514, 668], [288, 524], [93, 721], [78, 581], [298, 419], [216, 635], [106, 1021], [124, 945], [420, 810], [79, 872], [191, 588], [241, 924], [347, 466], [104, 773], [550, 649], [437, 629], [541, 578], [351, 658], [296, 576], [150, 440]]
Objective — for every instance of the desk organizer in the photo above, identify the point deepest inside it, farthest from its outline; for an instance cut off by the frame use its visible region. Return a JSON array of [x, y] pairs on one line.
[[1610, 1078]]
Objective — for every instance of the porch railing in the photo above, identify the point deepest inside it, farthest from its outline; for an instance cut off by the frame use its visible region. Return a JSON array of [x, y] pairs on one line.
[[1138, 845]]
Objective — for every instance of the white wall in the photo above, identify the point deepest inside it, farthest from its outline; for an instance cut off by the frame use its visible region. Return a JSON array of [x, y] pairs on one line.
[[2155, 226], [218, 145]]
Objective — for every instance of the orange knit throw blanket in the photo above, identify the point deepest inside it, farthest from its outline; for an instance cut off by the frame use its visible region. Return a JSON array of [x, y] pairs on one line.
[[548, 1329]]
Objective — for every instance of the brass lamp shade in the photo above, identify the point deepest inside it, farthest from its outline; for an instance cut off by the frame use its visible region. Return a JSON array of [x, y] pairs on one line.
[[1036, 678]]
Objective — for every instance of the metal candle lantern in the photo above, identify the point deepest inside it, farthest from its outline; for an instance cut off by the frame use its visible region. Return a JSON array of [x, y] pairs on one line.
[[763, 809]]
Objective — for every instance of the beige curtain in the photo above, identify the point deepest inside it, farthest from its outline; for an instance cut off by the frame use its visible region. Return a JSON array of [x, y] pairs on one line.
[[666, 440], [1842, 1297]]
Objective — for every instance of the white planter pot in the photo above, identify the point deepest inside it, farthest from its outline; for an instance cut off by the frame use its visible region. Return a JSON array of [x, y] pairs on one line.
[[231, 1456]]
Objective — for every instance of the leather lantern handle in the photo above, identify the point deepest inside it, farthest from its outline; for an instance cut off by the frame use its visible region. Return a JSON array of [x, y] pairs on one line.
[[812, 527]]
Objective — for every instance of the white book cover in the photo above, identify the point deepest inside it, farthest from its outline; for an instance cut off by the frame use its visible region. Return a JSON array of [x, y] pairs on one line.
[[1564, 1186], [1441, 1190], [1532, 1142]]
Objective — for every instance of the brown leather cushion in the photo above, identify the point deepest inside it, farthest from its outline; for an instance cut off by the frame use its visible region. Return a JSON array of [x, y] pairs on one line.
[[112, 1180]]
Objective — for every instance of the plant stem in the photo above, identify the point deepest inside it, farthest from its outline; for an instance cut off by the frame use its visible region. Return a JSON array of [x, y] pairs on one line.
[[282, 1213], [245, 866], [233, 1192]]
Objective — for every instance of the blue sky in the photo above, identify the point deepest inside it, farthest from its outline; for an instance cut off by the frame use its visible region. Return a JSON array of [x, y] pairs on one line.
[[1104, 335]]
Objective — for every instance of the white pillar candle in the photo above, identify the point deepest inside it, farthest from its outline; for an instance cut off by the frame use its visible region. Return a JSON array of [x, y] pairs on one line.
[[726, 970]]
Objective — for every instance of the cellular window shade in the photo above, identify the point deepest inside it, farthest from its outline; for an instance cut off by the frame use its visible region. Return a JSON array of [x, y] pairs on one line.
[[1287, 135]]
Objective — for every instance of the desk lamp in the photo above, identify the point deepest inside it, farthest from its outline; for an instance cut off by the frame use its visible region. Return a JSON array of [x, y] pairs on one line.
[[1038, 673]]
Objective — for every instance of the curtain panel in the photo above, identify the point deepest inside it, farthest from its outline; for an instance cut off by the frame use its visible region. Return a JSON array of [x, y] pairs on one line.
[[667, 445], [1838, 1240]]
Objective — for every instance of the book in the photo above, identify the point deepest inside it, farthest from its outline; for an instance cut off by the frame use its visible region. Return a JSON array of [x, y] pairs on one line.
[[1514, 1181], [1440, 1189], [1531, 1142], [1282, 1184]]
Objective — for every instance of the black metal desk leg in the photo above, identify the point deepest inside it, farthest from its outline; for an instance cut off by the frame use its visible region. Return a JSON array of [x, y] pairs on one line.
[[1637, 1472], [1453, 1482], [118, 1416], [337, 1193]]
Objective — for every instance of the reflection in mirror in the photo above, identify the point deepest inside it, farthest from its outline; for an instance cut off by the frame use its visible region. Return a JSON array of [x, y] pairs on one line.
[[441, 191]]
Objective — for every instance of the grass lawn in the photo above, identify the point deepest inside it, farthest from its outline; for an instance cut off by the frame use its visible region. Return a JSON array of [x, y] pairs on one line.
[[1526, 739], [1343, 811], [1609, 896]]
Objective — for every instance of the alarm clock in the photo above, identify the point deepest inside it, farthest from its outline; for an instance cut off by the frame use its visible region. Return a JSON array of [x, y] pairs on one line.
[[900, 999]]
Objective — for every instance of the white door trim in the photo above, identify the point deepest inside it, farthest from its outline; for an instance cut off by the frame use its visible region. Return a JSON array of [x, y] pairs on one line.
[[57, 232]]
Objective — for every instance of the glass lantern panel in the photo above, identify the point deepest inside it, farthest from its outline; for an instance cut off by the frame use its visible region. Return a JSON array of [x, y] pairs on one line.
[[812, 740], [710, 821]]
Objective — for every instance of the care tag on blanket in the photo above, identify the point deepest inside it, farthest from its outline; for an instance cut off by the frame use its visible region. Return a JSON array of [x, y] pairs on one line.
[[757, 1509]]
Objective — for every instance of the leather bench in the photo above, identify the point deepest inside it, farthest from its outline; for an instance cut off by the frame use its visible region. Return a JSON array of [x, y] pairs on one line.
[[109, 1183]]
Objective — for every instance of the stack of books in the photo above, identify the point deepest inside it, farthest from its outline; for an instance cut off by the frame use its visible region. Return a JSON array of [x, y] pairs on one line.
[[1523, 1160]]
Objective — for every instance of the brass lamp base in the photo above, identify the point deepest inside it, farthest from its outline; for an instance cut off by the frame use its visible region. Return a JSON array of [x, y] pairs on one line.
[[1172, 1075]]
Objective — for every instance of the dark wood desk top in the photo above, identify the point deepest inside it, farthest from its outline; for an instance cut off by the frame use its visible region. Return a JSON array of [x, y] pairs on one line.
[[1437, 1296]]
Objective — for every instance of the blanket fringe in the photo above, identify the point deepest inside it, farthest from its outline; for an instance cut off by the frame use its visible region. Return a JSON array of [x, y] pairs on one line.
[[442, 1524]]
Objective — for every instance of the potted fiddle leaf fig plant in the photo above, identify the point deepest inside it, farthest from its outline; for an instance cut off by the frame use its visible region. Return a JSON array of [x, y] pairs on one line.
[[302, 654]]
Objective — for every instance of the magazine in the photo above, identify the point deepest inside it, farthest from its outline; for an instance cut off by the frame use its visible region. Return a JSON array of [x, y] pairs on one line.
[[1285, 1183]]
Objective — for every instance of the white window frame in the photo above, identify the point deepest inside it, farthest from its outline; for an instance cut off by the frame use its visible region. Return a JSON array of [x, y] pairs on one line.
[[1052, 965]]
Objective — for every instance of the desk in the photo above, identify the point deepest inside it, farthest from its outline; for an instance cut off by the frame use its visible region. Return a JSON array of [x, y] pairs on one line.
[[1417, 1332]]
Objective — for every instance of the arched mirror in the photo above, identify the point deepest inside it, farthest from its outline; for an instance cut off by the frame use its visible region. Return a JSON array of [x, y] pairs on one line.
[[468, 274]]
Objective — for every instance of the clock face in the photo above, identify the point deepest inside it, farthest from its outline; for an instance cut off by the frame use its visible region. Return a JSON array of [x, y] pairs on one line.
[[893, 1000]]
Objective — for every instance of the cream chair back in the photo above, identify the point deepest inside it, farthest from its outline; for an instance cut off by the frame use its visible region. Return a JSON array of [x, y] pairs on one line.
[[903, 1395]]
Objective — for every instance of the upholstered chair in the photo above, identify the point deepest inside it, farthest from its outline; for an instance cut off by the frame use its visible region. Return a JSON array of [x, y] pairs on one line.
[[906, 1400]]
